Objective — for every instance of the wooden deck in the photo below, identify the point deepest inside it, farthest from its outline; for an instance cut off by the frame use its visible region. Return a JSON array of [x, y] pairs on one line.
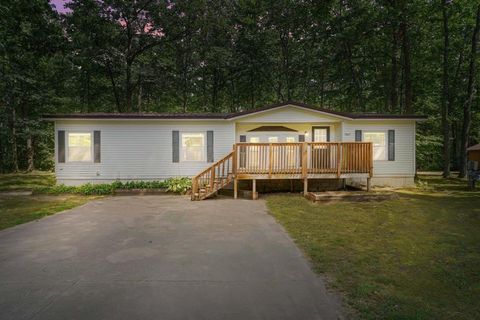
[[307, 160]]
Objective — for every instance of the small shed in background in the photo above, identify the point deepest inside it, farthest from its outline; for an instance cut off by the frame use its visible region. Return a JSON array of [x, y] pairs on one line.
[[474, 153]]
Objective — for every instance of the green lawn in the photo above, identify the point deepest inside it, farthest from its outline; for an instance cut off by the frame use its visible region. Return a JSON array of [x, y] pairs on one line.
[[17, 209], [417, 257], [20, 209], [26, 181]]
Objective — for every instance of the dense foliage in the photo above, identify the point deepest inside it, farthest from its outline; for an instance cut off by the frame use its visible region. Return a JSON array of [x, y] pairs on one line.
[[394, 56], [174, 185]]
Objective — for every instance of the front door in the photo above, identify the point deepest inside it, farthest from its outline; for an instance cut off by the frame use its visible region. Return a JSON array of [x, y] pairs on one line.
[[320, 153]]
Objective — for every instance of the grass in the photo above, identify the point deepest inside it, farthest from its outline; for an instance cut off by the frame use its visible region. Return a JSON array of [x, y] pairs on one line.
[[20, 209], [416, 257], [49, 198], [26, 181]]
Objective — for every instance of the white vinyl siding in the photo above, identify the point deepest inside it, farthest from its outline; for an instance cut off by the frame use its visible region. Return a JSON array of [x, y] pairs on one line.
[[140, 150], [289, 114], [404, 164]]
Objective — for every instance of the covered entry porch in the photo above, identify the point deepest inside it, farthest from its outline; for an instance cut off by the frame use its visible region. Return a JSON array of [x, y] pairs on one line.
[[305, 160]]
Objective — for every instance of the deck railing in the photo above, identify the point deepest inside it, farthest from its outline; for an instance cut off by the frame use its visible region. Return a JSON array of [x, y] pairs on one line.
[[308, 159], [213, 178], [285, 161]]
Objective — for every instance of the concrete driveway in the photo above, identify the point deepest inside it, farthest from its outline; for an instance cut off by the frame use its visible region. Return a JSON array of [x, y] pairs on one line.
[[158, 257]]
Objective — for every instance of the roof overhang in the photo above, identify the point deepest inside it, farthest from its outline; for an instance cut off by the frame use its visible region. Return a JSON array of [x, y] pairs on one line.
[[321, 111], [474, 148], [231, 116]]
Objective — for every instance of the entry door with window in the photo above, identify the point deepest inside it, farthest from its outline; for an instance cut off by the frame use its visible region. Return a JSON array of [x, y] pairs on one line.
[[320, 158]]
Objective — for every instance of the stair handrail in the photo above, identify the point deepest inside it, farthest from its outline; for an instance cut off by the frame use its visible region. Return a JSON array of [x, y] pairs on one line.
[[195, 179]]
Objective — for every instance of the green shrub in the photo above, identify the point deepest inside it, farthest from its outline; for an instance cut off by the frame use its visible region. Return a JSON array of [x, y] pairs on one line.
[[178, 185], [100, 189], [56, 189], [429, 152], [175, 185], [139, 185]]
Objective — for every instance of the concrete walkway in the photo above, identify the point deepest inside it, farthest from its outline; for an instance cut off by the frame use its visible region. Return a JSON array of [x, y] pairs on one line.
[[158, 257]]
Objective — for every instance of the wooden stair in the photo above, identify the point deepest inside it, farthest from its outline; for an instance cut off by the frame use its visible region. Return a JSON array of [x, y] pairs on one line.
[[217, 176]]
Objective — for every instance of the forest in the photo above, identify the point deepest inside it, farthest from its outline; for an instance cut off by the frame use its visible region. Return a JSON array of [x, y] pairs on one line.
[[377, 56]]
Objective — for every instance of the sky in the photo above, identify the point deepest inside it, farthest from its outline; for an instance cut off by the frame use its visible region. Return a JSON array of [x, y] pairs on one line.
[[59, 5]]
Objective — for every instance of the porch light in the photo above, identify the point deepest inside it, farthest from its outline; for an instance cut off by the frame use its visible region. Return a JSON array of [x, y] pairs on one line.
[[306, 133]]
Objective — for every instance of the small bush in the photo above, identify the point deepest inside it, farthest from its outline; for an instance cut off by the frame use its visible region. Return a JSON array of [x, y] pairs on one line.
[[178, 185]]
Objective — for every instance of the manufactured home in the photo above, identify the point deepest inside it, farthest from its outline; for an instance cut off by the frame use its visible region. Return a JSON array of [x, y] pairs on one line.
[[282, 141]]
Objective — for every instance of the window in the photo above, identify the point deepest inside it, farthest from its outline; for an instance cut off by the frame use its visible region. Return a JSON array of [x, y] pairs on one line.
[[290, 139], [378, 140], [193, 147], [272, 139], [320, 134], [254, 139], [79, 147]]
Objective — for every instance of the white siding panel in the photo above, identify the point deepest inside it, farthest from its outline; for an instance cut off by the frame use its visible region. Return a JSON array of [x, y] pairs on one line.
[[404, 164], [141, 149], [289, 114]]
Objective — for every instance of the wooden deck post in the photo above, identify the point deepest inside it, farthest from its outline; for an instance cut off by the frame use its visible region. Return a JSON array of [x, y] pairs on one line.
[[304, 160], [212, 179], [270, 161], [254, 190], [368, 183], [235, 188], [305, 186], [339, 160]]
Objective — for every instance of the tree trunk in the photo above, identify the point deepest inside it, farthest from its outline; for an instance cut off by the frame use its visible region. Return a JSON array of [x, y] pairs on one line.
[[467, 110], [407, 68], [139, 98], [14, 140], [114, 87], [128, 86], [30, 154], [394, 74], [445, 94]]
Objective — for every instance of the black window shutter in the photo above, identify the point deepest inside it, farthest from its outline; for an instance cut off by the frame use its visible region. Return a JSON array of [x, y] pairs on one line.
[[301, 138], [96, 146], [358, 135], [175, 146], [209, 146], [61, 146], [243, 138], [391, 145]]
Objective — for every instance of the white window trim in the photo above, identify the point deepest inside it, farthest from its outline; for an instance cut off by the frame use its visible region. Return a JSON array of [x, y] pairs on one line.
[[204, 158], [385, 132], [67, 132]]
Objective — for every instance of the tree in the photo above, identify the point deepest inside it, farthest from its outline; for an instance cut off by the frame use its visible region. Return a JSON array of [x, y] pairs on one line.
[[467, 113], [30, 35], [445, 92]]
